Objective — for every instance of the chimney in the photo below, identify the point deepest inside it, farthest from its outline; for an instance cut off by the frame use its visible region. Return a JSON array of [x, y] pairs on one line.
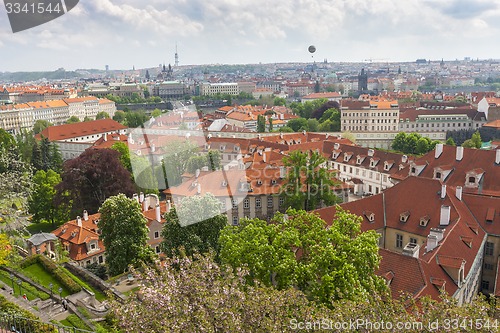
[[198, 190], [135, 197], [404, 158], [141, 197], [153, 148], [458, 193], [443, 191], [371, 152], [497, 158], [432, 243], [153, 200], [336, 145], [169, 205], [264, 158], [438, 150], [281, 135], [105, 136], [79, 221], [282, 172], [444, 218], [460, 153], [85, 215], [439, 233], [411, 250], [157, 213], [144, 206]]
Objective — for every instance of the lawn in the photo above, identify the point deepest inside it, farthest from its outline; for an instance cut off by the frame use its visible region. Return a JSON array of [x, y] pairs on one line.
[[28, 290], [37, 273], [35, 228], [98, 294]]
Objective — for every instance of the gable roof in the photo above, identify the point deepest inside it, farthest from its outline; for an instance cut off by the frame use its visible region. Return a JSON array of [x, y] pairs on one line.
[[68, 131]]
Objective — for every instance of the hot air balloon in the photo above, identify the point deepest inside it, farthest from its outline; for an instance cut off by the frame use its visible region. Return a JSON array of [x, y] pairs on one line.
[[312, 49]]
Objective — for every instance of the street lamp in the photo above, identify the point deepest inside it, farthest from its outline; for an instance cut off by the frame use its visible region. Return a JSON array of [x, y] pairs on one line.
[[60, 292], [19, 282], [51, 286], [12, 280]]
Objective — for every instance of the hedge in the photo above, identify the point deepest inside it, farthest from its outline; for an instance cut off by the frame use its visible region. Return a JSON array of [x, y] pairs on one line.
[[24, 318], [55, 270]]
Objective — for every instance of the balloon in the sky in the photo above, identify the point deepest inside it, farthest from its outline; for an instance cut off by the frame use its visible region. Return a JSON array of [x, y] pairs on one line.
[[312, 49]]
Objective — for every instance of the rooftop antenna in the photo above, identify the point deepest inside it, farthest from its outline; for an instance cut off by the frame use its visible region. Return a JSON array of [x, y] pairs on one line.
[[176, 56]]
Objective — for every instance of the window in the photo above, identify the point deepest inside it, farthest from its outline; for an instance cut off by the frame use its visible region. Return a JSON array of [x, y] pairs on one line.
[[485, 284], [438, 175], [235, 220], [258, 203], [101, 260], [246, 203], [399, 241], [92, 246], [488, 248], [472, 179], [157, 234], [235, 204], [413, 240], [157, 249], [269, 202], [488, 266], [281, 201]]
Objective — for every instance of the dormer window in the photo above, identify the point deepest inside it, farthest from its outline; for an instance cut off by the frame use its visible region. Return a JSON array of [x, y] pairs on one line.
[[413, 170], [335, 154], [403, 217], [424, 220], [236, 148], [370, 216], [259, 182], [347, 157], [472, 180], [273, 182], [224, 183], [372, 163], [359, 160], [437, 175]]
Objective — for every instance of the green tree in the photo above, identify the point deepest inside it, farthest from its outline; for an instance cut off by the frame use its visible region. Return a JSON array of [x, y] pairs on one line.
[[399, 142], [102, 115], [123, 232], [119, 117], [204, 220], [135, 119], [73, 120], [41, 202], [298, 249], [312, 125], [476, 140], [279, 101], [25, 141], [122, 148], [308, 185], [196, 162], [7, 141], [40, 125], [270, 124], [261, 124], [298, 124], [450, 141], [5, 249], [214, 159], [176, 158], [422, 146], [156, 113]]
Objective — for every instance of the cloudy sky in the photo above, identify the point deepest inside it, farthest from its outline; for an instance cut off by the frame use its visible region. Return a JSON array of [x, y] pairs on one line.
[[142, 33]]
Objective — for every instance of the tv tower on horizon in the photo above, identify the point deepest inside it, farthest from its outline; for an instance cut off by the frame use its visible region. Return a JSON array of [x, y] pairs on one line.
[[176, 63]]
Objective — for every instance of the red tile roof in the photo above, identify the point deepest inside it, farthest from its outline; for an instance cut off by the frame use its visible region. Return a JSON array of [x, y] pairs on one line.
[[68, 131]]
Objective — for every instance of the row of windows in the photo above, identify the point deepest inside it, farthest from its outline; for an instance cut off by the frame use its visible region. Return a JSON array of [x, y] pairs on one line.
[[399, 241], [366, 128], [258, 203]]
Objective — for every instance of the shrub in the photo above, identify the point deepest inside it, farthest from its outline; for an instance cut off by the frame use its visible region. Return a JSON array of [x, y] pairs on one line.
[[24, 318]]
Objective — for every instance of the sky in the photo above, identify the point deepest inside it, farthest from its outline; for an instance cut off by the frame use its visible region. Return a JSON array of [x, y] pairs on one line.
[[142, 33]]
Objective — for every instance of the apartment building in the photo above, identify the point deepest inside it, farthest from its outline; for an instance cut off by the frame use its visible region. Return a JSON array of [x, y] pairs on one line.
[[371, 116], [210, 89]]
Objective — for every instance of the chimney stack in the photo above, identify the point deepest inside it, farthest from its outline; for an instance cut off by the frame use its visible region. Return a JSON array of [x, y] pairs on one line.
[[105, 136], [144, 206], [157, 213], [458, 193], [438, 150], [439, 233], [411, 250], [141, 197], [444, 218], [79, 221], [460, 153], [85, 215], [169, 205], [497, 158], [282, 172], [135, 197], [443, 191], [432, 243]]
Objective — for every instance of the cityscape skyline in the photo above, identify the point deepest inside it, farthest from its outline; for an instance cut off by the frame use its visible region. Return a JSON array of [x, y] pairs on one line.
[[128, 33]]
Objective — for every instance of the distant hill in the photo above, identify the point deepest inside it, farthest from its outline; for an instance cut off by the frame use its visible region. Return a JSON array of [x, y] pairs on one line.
[[59, 74]]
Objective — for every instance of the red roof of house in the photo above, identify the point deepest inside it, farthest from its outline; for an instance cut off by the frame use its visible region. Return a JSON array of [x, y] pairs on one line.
[[68, 131]]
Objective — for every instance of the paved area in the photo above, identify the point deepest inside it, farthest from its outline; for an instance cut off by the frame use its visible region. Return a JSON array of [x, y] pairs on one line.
[[125, 286]]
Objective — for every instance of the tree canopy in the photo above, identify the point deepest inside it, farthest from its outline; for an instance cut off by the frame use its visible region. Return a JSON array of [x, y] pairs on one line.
[[123, 232], [93, 177], [413, 143], [308, 185], [297, 249], [194, 225]]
